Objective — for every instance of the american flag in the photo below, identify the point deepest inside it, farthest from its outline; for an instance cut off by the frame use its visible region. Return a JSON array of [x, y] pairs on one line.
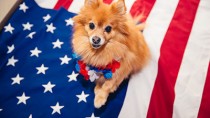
[[38, 78]]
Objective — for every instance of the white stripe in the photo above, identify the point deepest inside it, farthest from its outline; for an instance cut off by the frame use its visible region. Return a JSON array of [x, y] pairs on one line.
[[193, 70], [47, 3], [129, 4], [141, 85], [76, 5]]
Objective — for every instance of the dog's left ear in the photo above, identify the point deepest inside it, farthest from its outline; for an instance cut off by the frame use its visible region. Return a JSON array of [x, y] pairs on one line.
[[119, 7]]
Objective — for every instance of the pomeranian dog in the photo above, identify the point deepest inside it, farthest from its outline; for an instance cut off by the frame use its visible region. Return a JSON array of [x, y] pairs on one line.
[[104, 34]]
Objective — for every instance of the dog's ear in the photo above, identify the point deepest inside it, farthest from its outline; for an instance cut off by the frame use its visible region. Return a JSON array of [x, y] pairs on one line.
[[92, 3], [119, 7], [79, 19]]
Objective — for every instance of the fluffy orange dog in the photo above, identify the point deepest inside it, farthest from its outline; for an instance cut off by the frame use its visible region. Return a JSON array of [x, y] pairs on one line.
[[103, 33]]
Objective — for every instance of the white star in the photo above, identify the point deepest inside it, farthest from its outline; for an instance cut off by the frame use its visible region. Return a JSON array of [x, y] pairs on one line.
[[56, 108], [17, 79], [57, 44], [46, 18], [65, 60], [41, 69], [73, 76], [92, 116], [69, 22], [30, 116], [23, 7], [27, 26], [48, 87], [9, 28], [31, 35], [12, 61], [1, 109], [22, 99], [82, 97], [50, 28], [35, 52], [10, 48]]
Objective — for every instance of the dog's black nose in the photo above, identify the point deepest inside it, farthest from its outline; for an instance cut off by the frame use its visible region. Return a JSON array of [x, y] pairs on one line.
[[96, 40]]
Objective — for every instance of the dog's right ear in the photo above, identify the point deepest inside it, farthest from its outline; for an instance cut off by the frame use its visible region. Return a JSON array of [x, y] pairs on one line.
[[92, 3]]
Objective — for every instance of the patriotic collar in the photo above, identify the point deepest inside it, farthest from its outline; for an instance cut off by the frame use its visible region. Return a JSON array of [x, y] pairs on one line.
[[92, 73]]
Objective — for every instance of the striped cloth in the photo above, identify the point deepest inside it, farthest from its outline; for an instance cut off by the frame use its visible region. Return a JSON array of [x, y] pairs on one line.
[[176, 81]]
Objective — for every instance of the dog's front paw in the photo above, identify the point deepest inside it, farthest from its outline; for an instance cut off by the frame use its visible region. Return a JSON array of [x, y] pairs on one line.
[[113, 89], [97, 89], [100, 100]]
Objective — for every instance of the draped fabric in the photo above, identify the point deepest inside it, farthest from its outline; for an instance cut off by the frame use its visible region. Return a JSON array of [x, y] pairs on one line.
[[38, 78]]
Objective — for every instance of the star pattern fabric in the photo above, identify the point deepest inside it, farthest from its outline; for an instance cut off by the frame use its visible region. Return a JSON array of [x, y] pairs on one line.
[[27, 26], [73, 76], [30, 116], [65, 60], [17, 79], [46, 18], [82, 97], [50, 28], [42, 69], [35, 52], [31, 35], [9, 28], [69, 22], [22, 98], [92, 116], [12, 61], [57, 44], [37, 69], [23, 7], [48, 87], [10, 48], [57, 108]]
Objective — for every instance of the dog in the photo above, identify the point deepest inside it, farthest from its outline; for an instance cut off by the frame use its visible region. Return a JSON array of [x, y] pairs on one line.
[[105, 34]]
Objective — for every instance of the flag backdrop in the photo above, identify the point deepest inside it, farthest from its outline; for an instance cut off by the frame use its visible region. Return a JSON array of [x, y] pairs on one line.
[[38, 79]]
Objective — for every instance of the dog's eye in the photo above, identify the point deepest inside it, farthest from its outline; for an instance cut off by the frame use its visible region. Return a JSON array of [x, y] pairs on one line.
[[108, 29], [91, 26]]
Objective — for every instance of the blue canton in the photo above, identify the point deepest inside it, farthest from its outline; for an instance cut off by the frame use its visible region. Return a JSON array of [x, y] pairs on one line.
[[37, 71]]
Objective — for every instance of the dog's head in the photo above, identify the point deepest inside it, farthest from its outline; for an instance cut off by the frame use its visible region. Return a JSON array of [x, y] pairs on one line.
[[100, 31]]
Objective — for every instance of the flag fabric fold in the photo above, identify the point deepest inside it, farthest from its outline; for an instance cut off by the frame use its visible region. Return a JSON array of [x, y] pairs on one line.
[[37, 70]]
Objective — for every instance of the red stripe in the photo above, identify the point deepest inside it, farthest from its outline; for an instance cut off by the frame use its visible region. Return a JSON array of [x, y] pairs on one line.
[[107, 1], [142, 6], [63, 3], [204, 111], [171, 54]]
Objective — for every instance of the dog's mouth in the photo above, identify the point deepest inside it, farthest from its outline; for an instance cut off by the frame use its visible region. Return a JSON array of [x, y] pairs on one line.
[[95, 46]]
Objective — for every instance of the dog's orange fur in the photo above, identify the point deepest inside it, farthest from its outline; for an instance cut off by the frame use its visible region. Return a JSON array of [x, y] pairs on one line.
[[125, 41]]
